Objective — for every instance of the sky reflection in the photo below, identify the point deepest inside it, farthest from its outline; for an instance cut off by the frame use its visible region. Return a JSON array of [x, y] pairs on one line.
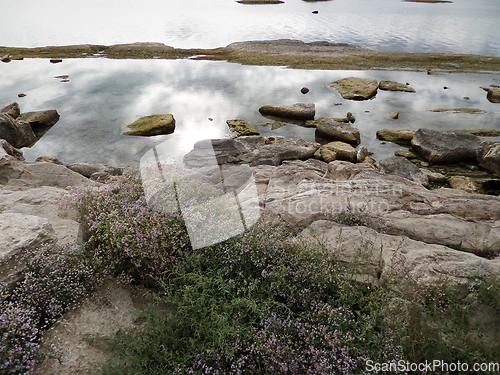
[[103, 96]]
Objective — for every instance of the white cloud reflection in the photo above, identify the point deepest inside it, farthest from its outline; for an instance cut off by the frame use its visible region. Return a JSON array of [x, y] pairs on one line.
[[105, 95]]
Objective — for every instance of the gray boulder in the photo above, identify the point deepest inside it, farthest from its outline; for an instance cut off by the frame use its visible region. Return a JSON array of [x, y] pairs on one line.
[[445, 147], [332, 130], [299, 111], [11, 109], [361, 154], [356, 88], [402, 167], [18, 133], [252, 150], [489, 156], [394, 86]]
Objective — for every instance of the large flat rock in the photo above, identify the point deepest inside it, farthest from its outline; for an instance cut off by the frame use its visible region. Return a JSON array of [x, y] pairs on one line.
[[302, 194], [373, 256]]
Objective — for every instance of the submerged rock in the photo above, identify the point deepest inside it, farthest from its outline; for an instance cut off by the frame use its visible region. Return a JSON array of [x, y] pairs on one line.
[[152, 125], [394, 86], [399, 136], [299, 111], [356, 88], [445, 147], [241, 127]]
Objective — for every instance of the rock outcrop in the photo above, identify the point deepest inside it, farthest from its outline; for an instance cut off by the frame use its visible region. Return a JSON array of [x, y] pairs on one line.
[[252, 150], [17, 133], [402, 167], [372, 256], [356, 88], [298, 111], [301, 193]]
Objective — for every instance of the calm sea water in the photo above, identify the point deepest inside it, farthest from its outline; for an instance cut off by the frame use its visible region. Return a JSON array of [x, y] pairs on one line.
[[464, 26], [102, 96]]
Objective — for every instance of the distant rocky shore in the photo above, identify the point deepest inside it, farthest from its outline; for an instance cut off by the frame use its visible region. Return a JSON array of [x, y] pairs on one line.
[[286, 52]]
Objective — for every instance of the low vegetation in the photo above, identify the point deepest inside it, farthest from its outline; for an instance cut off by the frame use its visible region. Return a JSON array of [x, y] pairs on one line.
[[258, 303]]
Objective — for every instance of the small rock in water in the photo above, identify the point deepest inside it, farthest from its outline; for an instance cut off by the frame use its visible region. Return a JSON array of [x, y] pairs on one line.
[[315, 12], [466, 98], [5, 59], [55, 61], [304, 90], [21, 95], [394, 115], [445, 87]]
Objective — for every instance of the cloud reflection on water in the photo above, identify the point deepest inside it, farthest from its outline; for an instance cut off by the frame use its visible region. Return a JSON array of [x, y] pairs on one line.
[[103, 96]]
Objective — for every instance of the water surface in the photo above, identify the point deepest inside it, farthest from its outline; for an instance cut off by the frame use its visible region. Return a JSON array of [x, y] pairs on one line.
[[103, 96]]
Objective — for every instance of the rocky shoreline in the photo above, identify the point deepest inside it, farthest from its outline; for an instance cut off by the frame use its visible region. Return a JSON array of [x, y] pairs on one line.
[[292, 53]]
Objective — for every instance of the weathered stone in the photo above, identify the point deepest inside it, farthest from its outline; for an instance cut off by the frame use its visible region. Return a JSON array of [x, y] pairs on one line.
[[252, 150], [152, 125], [361, 154], [489, 156], [48, 159], [301, 195], [338, 151], [445, 147], [394, 86], [356, 88], [483, 132], [463, 183], [299, 111], [7, 149], [18, 133], [40, 119], [351, 117], [399, 136], [87, 169], [29, 175], [11, 109], [434, 176], [405, 153], [314, 123], [394, 115], [493, 93], [337, 131], [241, 127], [5, 59], [373, 256], [402, 167]]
